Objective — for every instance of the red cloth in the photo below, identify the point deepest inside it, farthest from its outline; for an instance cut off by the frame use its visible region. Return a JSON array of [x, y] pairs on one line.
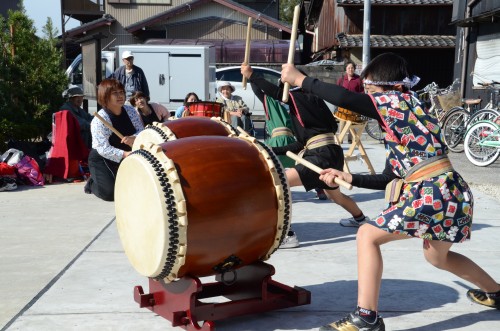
[[68, 148], [7, 170]]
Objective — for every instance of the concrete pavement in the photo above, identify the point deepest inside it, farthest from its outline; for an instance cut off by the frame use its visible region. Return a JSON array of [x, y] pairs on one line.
[[63, 267]]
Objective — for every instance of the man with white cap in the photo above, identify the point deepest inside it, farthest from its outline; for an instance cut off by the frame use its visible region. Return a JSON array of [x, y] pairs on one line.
[[74, 96], [131, 76]]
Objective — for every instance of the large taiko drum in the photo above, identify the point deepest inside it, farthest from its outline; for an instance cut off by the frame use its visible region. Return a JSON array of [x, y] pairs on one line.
[[201, 206], [348, 115], [205, 109], [158, 133]]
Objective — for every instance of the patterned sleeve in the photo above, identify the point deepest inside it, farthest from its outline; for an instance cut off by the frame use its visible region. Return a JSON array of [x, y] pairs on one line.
[[135, 118], [101, 134]]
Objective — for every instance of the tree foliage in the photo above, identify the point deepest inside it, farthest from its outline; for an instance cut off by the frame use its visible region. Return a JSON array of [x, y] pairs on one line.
[[31, 78], [286, 10]]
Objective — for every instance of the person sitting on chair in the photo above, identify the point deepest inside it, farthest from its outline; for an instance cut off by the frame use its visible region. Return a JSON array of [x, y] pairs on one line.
[[190, 97], [74, 96], [235, 106]]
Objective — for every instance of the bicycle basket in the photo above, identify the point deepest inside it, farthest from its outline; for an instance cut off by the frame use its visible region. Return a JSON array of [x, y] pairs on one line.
[[449, 100]]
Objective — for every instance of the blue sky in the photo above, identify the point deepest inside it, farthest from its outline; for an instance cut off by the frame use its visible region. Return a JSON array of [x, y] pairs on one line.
[[39, 10]]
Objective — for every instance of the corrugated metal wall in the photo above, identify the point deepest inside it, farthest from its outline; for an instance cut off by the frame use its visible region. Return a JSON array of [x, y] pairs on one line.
[[215, 28], [199, 26]]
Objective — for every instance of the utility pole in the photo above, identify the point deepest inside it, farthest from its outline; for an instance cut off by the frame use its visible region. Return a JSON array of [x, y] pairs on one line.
[[63, 34], [366, 32]]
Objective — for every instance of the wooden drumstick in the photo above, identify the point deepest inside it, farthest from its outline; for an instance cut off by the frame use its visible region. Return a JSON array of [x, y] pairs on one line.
[[247, 50], [291, 50], [317, 169], [106, 123]]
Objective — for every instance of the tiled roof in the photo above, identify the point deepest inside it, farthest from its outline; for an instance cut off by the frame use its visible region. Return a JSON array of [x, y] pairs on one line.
[[406, 41], [397, 2], [193, 4], [106, 19]]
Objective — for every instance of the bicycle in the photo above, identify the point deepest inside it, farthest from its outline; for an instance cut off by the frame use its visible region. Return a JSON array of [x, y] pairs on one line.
[[482, 142], [458, 120], [428, 95], [443, 100], [373, 129]]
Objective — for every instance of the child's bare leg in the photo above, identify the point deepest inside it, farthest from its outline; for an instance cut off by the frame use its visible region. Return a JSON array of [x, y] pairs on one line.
[[344, 201], [293, 177], [370, 263], [438, 254]]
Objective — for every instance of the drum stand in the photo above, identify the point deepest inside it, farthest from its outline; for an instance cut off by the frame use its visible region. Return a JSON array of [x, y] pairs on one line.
[[356, 129], [251, 291]]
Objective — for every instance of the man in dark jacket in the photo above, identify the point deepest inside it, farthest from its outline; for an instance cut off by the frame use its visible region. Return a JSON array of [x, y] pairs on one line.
[[131, 76]]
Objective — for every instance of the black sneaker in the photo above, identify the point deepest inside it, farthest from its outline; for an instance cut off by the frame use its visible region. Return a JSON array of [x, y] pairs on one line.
[[482, 298], [353, 322]]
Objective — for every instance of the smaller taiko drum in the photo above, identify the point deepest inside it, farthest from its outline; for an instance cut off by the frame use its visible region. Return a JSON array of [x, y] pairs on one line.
[[158, 133], [205, 109], [348, 115]]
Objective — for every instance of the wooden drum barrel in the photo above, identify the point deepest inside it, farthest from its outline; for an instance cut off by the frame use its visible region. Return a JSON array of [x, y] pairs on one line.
[[201, 206], [348, 115], [205, 109], [158, 133]]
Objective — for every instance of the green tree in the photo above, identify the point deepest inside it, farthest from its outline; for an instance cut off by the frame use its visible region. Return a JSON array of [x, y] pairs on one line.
[[286, 10], [32, 78]]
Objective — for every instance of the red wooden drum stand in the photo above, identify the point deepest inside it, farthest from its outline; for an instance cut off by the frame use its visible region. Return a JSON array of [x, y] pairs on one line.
[[205, 206], [253, 291]]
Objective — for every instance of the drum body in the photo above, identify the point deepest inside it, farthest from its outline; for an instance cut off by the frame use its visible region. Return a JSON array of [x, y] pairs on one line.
[[348, 115], [200, 206], [158, 133], [205, 109]]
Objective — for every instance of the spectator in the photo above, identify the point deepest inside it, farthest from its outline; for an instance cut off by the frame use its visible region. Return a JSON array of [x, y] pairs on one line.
[[190, 97], [74, 96], [235, 106], [131, 76], [350, 80], [149, 111], [108, 150]]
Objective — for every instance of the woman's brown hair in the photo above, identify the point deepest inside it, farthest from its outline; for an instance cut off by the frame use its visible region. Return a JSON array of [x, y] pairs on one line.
[[105, 88]]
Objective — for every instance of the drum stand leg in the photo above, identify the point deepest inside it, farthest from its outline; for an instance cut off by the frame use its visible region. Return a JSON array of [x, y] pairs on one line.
[[252, 292]]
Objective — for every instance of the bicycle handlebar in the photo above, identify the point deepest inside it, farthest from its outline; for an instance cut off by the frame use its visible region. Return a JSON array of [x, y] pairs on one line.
[[489, 84]]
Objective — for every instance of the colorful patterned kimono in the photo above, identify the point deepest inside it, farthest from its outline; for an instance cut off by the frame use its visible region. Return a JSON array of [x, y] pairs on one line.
[[436, 208]]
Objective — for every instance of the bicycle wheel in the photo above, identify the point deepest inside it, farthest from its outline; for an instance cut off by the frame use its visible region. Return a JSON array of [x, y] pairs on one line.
[[475, 150], [454, 128], [373, 129], [484, 114]]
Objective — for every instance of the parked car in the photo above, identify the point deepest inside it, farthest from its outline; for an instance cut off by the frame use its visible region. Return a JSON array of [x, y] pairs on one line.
[[233, 75]]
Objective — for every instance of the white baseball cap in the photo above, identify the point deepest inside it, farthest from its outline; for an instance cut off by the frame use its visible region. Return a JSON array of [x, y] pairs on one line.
[[127, 54]]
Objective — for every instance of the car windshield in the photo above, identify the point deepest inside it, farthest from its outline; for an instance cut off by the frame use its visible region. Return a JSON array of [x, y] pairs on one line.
[[234, 75]]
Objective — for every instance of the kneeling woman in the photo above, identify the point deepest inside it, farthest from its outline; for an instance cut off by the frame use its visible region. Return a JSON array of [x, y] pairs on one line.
[[107, 148]]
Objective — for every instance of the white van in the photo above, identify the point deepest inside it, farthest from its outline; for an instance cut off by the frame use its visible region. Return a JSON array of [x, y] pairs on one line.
[[75, 69]]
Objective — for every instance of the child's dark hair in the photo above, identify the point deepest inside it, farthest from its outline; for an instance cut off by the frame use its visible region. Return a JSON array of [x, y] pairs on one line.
[[386, 67], [186, 103]]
